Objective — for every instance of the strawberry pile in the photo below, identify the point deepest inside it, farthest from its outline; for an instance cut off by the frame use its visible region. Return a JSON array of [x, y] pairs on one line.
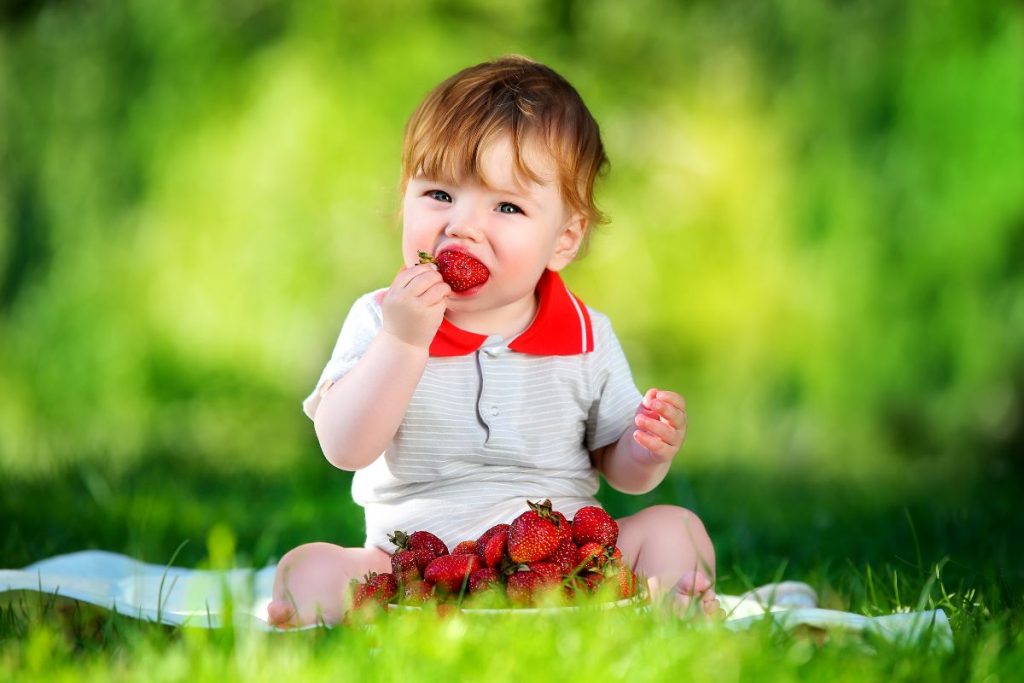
[[541, 557]]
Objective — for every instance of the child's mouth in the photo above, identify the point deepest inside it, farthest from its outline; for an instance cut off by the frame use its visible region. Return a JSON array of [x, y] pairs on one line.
[[463, 272]]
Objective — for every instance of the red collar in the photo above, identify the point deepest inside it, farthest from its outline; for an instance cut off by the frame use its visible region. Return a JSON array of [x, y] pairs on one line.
[[560, 328]]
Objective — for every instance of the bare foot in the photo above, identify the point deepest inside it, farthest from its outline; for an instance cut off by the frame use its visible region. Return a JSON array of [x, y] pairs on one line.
[[695, 596], [281, 614]]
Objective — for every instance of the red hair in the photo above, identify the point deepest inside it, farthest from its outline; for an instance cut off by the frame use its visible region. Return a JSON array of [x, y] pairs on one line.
[[514, 96]]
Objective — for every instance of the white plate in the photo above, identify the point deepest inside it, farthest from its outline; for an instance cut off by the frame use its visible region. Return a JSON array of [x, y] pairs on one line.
[[618, 604]]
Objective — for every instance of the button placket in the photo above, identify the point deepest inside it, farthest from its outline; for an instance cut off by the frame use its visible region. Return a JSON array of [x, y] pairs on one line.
[[487, 407], [482, 401]]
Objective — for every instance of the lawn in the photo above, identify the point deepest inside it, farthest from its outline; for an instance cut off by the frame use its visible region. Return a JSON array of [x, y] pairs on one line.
[[868, 549]]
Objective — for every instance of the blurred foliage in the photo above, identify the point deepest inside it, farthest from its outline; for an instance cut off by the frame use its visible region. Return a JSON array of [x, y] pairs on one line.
[[817, 218]]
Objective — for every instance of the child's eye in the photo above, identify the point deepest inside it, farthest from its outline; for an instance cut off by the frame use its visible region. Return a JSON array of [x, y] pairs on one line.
[[506, 207], [440, 195]]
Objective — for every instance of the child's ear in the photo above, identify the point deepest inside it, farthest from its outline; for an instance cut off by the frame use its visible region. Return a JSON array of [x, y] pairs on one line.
[[568, 242]]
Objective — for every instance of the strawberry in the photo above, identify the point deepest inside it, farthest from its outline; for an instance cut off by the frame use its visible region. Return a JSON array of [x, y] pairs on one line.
[[535, 534], [386, 586], [547, 571], [492, 544], [592, 524], [380, 588], [627, 581], [586, 583], [417, 591], [592, 581], [408, 565], [564, 557], [591, 556], [483, 579], [363, 595], [460, 270], [465, 548], [419, 540], [521, 586], [524, 586], [451, 571], [424, 540], [564, 525]]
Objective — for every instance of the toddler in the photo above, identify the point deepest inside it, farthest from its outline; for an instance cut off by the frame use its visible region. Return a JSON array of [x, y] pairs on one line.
[[453, 408]]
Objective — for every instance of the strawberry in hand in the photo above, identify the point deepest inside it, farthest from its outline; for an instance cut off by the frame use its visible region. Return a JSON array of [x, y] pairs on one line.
[[661, 424], [458, 269], [413, 306]]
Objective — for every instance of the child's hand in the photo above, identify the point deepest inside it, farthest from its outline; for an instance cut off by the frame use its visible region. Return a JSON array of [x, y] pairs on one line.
[[414, 305], [661, 422]]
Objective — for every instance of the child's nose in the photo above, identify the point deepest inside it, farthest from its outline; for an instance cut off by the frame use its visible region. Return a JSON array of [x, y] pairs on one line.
[[465, 226], [461, 230]]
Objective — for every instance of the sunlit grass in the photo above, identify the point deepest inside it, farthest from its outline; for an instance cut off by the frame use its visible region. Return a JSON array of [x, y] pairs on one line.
[[58, 641]]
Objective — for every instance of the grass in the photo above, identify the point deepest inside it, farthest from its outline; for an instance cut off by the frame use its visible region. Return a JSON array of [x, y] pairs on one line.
[[868, 549], [597, 646]]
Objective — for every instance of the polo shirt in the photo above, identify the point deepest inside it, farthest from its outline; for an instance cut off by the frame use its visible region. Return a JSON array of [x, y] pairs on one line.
[[493, 422]]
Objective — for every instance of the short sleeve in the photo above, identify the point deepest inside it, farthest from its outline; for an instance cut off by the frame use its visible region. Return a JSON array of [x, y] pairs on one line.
[[615, 394], [362, 324]]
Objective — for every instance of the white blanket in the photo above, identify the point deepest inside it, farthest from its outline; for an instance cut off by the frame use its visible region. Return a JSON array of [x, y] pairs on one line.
[[196, 597]]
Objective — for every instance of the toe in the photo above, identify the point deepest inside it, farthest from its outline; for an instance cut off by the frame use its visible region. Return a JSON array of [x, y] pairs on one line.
[[695, 596], [693, 583], [712, 608], [279, 613]]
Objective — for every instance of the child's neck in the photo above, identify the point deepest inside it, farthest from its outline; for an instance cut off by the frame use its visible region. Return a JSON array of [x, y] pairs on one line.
[[505, 321]]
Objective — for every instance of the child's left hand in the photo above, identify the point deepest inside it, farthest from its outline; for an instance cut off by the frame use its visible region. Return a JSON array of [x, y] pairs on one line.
[[661, 424]]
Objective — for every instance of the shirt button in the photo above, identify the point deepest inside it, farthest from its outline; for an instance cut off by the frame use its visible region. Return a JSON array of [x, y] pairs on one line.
[[494, 410]]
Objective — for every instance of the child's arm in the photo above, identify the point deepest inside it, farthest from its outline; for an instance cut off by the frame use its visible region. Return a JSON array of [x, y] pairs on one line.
[[360, 413], [640, 459]]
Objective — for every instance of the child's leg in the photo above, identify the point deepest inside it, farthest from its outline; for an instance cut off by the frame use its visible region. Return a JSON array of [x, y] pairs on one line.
[[669, 546], [311, 582]]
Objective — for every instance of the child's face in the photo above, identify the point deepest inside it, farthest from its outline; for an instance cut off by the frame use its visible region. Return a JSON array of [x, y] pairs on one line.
[[516, 228]]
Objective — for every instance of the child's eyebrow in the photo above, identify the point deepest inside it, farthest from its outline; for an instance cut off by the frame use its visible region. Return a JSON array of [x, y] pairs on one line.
[[512, 193], [525, 190]]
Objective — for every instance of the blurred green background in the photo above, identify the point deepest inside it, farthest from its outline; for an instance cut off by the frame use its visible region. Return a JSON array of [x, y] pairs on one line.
[[817, 236]]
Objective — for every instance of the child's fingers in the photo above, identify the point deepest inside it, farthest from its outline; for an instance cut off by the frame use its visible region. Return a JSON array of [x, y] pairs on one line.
[[407, 276], [422, 281], [674, 416], [648, 398], [436, 293], [671, 398], [662, 430], [665, 404], [658, 448]]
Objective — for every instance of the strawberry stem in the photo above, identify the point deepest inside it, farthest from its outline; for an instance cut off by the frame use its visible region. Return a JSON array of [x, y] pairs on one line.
[[542, 509], [400, 539]]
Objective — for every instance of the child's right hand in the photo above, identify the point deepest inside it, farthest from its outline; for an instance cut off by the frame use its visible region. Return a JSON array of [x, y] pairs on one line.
[[415, 303]]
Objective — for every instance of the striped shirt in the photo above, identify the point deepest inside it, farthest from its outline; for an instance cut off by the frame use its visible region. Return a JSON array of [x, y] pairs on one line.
[[493, 422]]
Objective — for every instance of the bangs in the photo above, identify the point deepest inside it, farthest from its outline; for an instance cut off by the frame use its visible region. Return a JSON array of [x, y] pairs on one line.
[[449, 146]]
